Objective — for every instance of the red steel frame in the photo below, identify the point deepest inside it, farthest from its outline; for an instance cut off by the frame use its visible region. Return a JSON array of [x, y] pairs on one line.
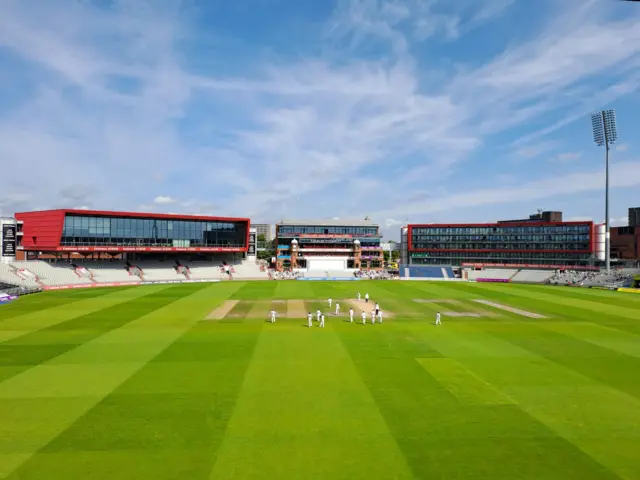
[[491, 225], [47, 226]]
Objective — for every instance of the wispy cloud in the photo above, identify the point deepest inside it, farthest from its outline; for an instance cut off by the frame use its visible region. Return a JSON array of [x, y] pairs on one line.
[[360, 109], [569, 156], [164, 200], [624, 175]]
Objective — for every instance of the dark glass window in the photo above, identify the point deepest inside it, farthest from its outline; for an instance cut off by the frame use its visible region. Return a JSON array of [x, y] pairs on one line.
[[79, 230], [550, 237]]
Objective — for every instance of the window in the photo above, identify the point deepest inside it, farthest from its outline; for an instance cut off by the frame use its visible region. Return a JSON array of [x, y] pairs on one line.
[[119, 231]]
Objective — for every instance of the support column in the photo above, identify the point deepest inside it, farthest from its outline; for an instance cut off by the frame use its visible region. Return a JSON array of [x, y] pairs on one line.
[[294, 253], [357, 254]]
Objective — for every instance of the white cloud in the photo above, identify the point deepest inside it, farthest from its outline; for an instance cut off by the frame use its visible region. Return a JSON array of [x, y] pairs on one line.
[[292, 134], [164, 200], [622, 147], [623, 175], [569, 156]]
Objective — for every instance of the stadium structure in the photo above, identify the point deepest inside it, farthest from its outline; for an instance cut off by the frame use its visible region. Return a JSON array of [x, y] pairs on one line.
[[68, 248], [332, 246], [91, 247]]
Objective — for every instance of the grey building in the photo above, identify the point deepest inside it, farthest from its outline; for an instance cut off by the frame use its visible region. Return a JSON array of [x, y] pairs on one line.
[[265, 229], [634, 217]]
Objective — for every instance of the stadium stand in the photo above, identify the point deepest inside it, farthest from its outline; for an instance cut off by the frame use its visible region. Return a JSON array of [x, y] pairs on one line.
[[50, 275], [8, 276], [570, 277], [618, 278], [532, 276], [493, 274], [41, 273], [327, 274], [424, 271]]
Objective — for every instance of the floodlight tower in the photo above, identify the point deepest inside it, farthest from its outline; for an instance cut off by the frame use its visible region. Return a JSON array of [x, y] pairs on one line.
[[605, 134]]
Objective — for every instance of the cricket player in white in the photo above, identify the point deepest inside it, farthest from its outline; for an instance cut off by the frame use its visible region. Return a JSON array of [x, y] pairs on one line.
[[364, 318], [351, 315], [330, 302], [377, 306], [318, 313], [322, 321], [373, 316], [380, 316], [309, 318], [366, 297], [337, 308], [358, 295], [273, 316], [438, 318]]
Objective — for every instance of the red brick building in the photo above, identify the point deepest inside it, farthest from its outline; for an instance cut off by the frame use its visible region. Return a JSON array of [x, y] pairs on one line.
[[625, 243]]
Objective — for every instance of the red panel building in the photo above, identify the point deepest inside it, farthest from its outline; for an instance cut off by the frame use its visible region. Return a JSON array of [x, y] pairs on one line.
[[89, 232], [625, 243], [504, 243]]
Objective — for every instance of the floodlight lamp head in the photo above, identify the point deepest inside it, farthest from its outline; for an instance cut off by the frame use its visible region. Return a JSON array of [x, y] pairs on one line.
[[610, 125], [598, 128]]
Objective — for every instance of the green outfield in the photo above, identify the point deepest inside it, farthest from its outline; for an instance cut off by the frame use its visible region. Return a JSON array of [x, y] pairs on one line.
[[191, 382]]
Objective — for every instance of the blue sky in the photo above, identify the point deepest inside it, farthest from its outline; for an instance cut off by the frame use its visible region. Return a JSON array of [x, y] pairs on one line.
[[403, 110]]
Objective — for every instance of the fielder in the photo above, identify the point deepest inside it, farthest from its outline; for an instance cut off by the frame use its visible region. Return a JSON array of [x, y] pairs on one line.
[[380, 316], [337, 308], [309, 319], [364, 318], [318, 313], [438, 318], [373, 316], [322, 321], [273, 316], [330, 302], [351, 315], [358, 296], [366, 297]]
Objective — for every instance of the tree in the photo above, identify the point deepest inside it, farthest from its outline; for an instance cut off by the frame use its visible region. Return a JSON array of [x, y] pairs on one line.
[[262, 238]]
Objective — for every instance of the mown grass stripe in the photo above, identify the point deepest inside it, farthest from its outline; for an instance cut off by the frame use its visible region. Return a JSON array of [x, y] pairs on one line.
[[463, 384], [317, 397], [16, 327], [435, 432], [592, 306], [37, 302], [575, 407], [38, 347], [606, 366], [56, 394], [602, 336]]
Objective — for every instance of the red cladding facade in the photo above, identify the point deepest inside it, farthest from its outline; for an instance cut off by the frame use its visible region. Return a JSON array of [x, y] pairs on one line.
[[43, 230]]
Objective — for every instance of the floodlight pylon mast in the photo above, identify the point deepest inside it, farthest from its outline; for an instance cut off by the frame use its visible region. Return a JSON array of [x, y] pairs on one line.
[[607, 231], [605, 134]]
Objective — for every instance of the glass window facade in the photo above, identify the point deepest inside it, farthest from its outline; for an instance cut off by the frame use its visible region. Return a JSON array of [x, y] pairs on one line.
[[82, 230], [533, 244], [294, 230]]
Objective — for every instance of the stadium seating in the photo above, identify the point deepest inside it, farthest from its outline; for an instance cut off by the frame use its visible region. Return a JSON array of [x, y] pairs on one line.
[[325, 274], [62, 273], [9, 277], [532, 276], [423, 271], [493, 273], [249, 270], [52, 275]]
